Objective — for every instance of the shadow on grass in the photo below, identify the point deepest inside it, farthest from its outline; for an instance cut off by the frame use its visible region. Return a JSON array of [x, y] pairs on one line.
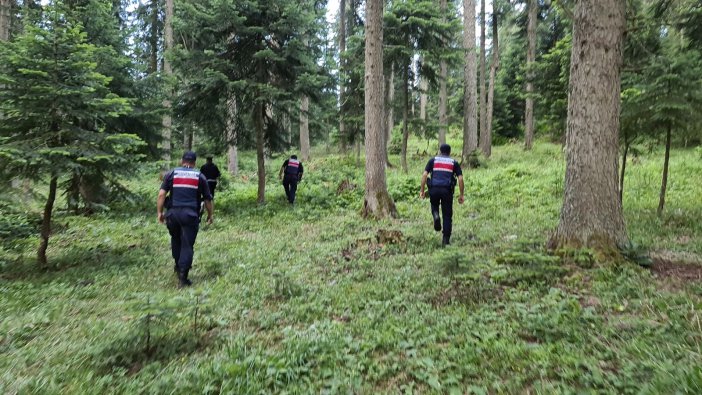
[[77, 262]]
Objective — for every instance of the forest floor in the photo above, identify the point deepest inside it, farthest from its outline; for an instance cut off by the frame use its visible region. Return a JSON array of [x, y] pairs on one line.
[[314, 299]]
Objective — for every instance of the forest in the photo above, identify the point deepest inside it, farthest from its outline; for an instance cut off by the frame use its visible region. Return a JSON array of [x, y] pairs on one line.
[[574, 264]]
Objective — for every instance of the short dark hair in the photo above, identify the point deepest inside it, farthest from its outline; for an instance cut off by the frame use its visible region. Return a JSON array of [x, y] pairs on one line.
[[445, 149], [293, 156]]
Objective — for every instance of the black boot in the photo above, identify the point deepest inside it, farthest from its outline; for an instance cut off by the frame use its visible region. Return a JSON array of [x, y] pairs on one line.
[[446, 240], [437, 220], [183, 278]]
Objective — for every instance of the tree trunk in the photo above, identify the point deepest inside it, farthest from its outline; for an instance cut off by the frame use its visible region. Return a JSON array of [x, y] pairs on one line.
[[230, 132], [258, 119], [168, 45], [188, 138], [664, 182], [304, 128], [377, 201], [483, 79], [486, 139], [390, 111], [342, 70], [532, 9], [443, 95], [470, 123], [153, 38], [46, 223], [405, 118], [591, 215], [5, 19], [423, 97], [621, 178]]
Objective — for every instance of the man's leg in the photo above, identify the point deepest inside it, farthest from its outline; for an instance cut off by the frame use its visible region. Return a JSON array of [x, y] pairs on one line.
[[189, 228], [175, 232], [213, 186], [286, 185], [434, 202], [293, 190], [447, 212]]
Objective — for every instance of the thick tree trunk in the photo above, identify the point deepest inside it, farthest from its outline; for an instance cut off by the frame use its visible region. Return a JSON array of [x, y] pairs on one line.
[[405, 118], [532, 9], [377, 201], [443, 95], [591, 215], [470, 123], [46, 223], [304, 128], [664, 181], [623, 173], [258, 120], [486, 139], [168, 45], [483, 79], [343, 138], [232, 151], [389, 111], [5, 19], [188, 138]]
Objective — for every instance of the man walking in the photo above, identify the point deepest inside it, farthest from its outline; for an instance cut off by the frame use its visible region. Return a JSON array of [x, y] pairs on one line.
[[187, 188], [211, 173], [444, 172], [293, 174]]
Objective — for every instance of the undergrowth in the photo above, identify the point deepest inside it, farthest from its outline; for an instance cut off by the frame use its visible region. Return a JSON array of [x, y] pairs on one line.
[[313, 299]]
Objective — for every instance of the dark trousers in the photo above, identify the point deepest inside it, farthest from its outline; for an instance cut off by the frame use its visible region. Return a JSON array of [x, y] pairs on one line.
[[183, 224], [212, 185], [442, 197], [290, 185]]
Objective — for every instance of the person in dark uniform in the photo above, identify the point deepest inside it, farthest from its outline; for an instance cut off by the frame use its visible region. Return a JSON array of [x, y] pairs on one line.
[[211, 173], [444, 172], [187, 188], [292, 169]]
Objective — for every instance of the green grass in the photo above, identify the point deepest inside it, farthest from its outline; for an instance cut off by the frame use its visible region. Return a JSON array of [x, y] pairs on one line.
[[305, 300]]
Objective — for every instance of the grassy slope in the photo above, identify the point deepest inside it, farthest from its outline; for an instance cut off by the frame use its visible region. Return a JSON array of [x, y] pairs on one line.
[[305, 300]]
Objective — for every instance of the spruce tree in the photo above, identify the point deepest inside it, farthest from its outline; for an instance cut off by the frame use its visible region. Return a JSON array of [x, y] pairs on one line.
[[55, 107]]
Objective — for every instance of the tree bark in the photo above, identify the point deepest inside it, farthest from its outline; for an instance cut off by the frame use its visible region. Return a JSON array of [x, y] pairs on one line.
[[532, 9], [258, 121], [470, 123], [5, 19], [46, 223], [230, 132], [304, 128], [623, 173], [591, 215], [390, 111], [481, 88], [168, 71], [486, 139], [153, 38], [664, 181], [405, 118], [443, 94], [342, 70], [377, 202], [423, 98]]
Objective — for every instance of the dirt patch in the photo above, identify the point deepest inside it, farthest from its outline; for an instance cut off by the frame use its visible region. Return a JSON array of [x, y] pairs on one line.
[[682, 267]]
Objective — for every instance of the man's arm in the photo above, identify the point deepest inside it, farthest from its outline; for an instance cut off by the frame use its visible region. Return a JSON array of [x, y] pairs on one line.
[[282, 168], [460, 189], [159, 205], [302, 170], [209, 206], [424, 183]]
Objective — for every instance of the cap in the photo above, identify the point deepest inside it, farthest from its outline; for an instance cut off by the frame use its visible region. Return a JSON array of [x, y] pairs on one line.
[[189, 156], [445, 149]]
